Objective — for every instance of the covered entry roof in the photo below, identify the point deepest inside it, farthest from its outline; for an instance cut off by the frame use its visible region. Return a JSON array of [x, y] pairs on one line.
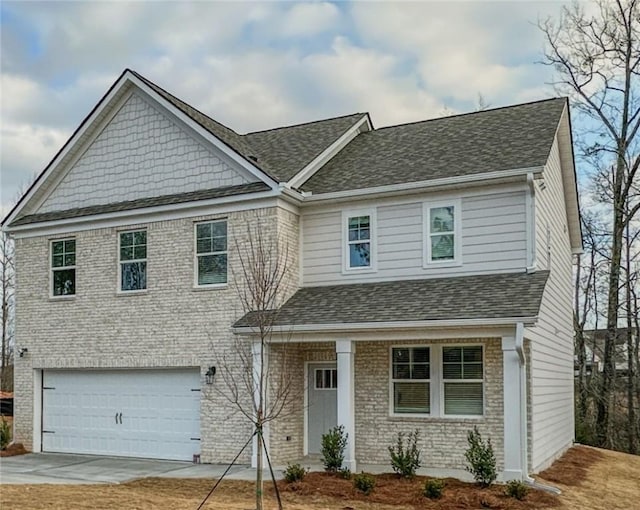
[[498, 296]]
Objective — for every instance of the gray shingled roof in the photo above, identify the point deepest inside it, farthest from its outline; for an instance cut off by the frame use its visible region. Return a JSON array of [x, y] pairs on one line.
[[462, 297], [518, 136], [178, 198], [289, 149]]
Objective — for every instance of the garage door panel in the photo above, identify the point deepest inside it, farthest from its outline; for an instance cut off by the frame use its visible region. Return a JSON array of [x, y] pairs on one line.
[[160, 412]]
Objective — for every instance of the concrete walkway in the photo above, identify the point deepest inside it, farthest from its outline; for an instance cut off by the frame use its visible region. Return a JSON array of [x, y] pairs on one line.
[[60, 468]]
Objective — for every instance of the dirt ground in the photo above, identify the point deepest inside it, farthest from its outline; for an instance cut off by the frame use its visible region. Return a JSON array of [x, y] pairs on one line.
[[590, 479]]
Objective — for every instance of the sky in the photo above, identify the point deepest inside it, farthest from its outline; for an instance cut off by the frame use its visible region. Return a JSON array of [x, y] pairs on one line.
[[259, 65]]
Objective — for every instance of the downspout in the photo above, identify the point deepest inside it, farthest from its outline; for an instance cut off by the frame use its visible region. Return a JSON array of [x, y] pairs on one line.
[[523, 403]]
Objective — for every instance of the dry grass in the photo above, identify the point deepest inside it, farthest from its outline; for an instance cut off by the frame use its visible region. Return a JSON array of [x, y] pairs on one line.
[[596, 479], [590, 479]]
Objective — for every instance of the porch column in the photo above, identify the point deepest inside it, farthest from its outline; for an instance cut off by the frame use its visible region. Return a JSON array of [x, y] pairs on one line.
[[346, 411], [258, 358], [511, 387]]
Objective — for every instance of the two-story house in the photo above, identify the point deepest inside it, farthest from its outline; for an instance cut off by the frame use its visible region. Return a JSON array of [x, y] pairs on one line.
[[429, 287]]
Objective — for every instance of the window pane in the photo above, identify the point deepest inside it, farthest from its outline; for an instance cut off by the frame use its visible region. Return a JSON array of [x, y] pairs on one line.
[[219, 229], [452, 354], [327, 378], [140, 252], [401, 371], [133, 276], [219, 244], [463, 398], [70, 260], [420, 371], [472, 353], [421, 354], [140, 237], [203, 230], [126, 252], [452, 371], [334, 378], [70, 246], [359, 255], [442, 247], [57, 247], [57, 261], [442, 219], [411, 397], [319, 380], [126, 239], [400, 355], [212, 269], [204, 245], [64, 282], [472, 371]]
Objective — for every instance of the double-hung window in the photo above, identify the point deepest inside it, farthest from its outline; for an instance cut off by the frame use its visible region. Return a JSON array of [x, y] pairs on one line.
[[63, 267], [411, 380], [211, 253], [359, 245], [133, 260], [462, 377], [442, 239]]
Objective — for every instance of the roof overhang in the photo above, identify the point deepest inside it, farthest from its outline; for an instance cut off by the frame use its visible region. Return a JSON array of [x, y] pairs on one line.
[[388, 326]]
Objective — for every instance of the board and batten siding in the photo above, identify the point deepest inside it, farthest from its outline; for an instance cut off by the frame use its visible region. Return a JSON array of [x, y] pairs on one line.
[[493, 240], [551, 376]]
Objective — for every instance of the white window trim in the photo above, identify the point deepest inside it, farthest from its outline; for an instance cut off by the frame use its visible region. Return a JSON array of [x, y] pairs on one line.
[[482, 381], [52, 269], [436, 383], [351, 213], [195, 255], [427, 263], [119, 289], [392, 412]]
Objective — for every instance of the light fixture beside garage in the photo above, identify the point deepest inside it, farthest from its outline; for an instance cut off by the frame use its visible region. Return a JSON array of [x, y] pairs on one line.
[[208, 376]]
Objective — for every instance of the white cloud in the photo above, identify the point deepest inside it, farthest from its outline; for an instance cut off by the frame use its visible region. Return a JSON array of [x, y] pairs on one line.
[[309, 19]]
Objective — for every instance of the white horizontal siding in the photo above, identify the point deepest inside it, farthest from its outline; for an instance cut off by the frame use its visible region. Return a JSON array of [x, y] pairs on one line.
[[493, 239], [551, 391]]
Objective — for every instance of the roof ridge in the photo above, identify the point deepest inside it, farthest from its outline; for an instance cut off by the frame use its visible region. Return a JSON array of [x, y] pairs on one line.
[[304, 123], [488, 110]]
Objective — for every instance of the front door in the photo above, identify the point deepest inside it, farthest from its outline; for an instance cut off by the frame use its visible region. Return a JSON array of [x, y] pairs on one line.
[[323, 391]]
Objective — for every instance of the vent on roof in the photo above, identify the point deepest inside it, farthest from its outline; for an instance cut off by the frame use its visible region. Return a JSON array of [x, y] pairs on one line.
[[253, 158]]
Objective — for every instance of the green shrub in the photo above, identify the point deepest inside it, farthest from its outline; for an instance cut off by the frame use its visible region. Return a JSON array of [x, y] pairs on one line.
[[516, 489], [294, 473], [433, 488], [405, 458], [481, 459], [334, 443], [364, 482], [5, 434], [345, 473]]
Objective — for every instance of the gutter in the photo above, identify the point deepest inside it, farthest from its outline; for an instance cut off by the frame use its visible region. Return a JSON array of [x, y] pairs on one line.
[[395, 325]]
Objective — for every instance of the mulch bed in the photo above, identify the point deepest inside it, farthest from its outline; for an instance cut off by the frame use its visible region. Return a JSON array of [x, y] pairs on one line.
[[392, 490], [13, 449], [571, 469]]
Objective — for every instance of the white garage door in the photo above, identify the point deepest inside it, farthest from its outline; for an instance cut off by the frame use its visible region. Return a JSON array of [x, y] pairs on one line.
[[131, 413]]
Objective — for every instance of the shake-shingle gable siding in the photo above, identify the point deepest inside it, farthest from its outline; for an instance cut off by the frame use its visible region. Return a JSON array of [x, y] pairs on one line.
[[493, 140], [140, 154]]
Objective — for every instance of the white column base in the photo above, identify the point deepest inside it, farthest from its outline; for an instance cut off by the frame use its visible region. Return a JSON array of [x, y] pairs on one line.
[[346, 410]]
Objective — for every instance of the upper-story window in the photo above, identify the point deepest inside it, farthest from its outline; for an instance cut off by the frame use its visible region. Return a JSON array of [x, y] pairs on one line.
[[211, 253], [133, 260], [442, 239], [63, 267], [359, 233], [463, 375]]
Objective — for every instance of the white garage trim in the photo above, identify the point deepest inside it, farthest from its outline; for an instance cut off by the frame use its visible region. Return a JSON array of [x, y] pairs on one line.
[[146, 413]]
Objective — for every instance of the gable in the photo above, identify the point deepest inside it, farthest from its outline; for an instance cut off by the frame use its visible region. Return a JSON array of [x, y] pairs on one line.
[[141, 153]]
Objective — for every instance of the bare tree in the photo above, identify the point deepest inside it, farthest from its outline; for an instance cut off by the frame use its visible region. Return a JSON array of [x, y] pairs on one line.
[[257, 386], [7, 288], [596, 59]]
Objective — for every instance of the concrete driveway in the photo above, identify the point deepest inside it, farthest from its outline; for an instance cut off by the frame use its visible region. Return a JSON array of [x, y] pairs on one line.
[[59, 468]]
